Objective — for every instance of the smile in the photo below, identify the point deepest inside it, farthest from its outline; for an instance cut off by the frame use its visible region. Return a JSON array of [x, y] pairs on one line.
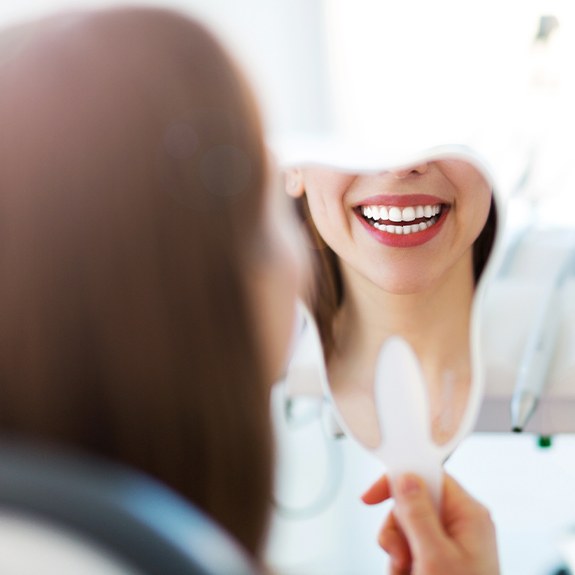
[[402, 220]]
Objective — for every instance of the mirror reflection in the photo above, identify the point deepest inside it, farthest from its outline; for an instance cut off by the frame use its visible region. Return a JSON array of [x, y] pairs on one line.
[[396, 252]]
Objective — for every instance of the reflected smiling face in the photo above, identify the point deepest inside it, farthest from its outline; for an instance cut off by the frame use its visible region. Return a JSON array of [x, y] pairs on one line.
[[404, 229]]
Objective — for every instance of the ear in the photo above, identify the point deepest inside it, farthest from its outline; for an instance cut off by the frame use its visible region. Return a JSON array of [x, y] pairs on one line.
[[293, 179]]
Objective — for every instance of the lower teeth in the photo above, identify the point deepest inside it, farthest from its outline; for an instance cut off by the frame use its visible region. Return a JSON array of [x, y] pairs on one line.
[[405, 230]]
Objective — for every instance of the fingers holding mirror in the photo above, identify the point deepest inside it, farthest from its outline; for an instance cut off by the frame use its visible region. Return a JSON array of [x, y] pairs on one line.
[[397, 251]]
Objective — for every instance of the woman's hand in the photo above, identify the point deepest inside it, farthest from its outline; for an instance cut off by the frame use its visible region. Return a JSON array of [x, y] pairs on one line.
[[458, 541]]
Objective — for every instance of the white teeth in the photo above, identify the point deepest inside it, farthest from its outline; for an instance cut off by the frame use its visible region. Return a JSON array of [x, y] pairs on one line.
[[377, 215], [408, 214], [405, 230], [397, 214]]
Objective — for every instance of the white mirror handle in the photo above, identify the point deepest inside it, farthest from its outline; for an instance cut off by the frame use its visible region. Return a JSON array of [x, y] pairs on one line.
[[403, 411]]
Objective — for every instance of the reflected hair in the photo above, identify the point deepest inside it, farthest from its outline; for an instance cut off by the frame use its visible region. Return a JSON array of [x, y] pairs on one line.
[[132, 169]]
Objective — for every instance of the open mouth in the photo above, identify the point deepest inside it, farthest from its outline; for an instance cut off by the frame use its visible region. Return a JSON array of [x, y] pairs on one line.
[[402, 220]]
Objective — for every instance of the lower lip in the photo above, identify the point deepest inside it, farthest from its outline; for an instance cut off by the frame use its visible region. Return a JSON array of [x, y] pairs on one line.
[[408, 240]]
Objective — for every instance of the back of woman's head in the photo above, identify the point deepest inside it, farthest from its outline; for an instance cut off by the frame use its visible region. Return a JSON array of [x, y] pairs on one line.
[[131, 185]]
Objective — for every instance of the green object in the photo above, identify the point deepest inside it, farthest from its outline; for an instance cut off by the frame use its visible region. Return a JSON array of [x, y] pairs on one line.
[[544, 441]]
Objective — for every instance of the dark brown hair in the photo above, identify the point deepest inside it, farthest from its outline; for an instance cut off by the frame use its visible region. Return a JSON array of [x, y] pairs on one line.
[[326, 293], [132, 170]]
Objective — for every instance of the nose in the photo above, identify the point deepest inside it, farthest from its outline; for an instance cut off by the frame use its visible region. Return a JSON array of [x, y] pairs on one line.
[[417, 170]]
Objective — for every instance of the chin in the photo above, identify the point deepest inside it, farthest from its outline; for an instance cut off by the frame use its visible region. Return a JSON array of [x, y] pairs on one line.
[[405, 284]]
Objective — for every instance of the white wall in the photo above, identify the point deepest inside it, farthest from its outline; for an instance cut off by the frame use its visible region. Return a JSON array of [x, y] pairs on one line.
[[278, 42]]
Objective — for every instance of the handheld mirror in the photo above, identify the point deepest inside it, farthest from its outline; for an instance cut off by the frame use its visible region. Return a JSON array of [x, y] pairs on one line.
[[401, 256]]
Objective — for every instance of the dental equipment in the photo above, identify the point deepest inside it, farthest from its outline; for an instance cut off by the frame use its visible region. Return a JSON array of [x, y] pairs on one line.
[[538, 352], [305, 413]]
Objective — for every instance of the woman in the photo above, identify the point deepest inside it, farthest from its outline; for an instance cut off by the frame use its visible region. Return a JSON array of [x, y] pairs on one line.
[[147, 289], [397, 253], [146, 294]]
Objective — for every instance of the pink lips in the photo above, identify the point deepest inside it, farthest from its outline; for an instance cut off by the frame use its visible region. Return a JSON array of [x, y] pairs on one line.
[[400, 201]]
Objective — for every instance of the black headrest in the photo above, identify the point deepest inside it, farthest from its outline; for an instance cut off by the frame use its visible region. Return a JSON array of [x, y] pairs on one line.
[[130, 515]]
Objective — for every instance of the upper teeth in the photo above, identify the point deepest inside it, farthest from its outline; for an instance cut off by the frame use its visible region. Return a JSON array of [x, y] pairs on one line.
[[396, 214]]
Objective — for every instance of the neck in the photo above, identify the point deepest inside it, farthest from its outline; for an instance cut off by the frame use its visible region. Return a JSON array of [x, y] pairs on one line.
[[435, 322]]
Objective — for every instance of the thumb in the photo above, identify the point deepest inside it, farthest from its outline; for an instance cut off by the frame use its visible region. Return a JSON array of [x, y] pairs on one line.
[[417, 515]]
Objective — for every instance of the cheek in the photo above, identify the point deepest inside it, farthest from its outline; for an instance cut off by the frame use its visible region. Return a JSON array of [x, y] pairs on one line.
[[329, 220], [479, 214], [472, 209], [325, 197], [319, 210]]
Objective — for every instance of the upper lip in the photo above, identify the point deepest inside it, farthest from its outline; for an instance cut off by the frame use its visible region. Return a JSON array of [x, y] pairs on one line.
[[401, 200]]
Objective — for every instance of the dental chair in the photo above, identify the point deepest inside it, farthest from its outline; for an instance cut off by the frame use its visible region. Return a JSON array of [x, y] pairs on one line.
[[67, 514]]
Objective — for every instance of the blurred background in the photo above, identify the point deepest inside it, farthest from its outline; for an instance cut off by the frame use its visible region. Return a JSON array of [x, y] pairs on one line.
[[495, 74]]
